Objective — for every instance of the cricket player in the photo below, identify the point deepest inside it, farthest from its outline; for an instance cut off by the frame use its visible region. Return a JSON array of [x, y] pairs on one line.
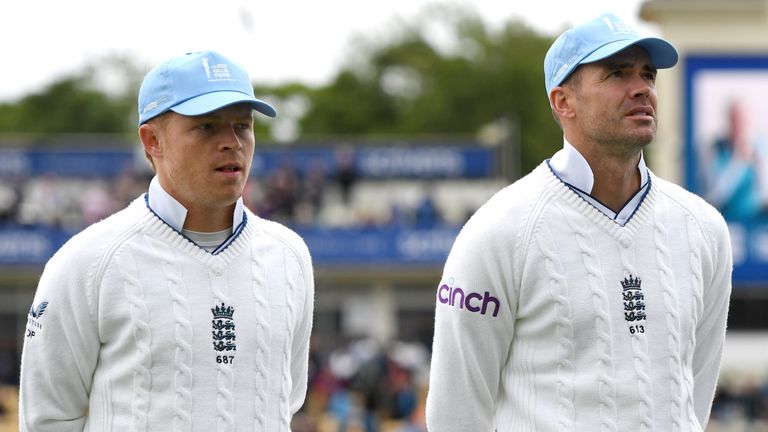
[[184, 311], [590, 295]]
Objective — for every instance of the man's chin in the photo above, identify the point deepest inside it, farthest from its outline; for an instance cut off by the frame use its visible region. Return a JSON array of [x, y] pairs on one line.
[[228, 195], [641, 138]]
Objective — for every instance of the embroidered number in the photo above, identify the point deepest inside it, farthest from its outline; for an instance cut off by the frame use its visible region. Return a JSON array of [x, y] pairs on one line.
[[225, 359], [636, 329]]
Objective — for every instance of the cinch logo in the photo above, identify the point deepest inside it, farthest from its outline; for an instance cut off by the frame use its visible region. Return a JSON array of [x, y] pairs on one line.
[[472, 301]]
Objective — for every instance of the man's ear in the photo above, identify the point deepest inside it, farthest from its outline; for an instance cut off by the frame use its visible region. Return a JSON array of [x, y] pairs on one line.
[[561, 101], [150, 137]]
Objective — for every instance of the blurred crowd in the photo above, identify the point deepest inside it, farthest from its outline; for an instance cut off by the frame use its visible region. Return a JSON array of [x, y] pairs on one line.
[[51, 201], [364, 386], [312, 198], [343, 200], [740, 405]]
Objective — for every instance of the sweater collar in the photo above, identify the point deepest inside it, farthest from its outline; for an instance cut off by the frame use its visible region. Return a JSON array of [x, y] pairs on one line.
[[173, 213], [571, 167], [573, 170]]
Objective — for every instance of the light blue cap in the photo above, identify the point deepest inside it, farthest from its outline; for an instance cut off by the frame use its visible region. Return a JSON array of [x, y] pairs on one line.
[[595, 40], [195, 84]]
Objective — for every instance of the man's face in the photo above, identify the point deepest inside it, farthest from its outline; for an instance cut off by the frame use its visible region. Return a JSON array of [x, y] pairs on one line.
[[615, 101], [204, 161]]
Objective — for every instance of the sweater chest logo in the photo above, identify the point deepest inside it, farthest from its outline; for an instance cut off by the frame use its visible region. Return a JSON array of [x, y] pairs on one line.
[[634, 303], [223, 324]]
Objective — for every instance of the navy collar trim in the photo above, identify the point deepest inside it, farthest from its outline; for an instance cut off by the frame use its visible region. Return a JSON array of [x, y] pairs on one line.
[[219, 249], [647, 188]]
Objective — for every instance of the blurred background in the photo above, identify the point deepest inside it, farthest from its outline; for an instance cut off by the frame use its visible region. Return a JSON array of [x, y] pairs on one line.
[[396, 123]]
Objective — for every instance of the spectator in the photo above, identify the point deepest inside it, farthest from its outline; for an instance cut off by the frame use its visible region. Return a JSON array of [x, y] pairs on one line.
[[10, 198], [281, 194], [427, 214], [346, 172], [95, 202]]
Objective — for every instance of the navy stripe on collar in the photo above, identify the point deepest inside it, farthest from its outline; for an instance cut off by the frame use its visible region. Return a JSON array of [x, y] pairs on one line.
[[219, 249], [646, 188]]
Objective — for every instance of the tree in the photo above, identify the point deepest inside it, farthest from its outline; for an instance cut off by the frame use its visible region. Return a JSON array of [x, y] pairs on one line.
[[413, 86], [445, 73], [67, 106], [80, 103]]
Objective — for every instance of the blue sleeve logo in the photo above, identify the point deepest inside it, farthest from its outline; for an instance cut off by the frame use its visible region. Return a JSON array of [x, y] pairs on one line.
[[33, 325], [37, 312]]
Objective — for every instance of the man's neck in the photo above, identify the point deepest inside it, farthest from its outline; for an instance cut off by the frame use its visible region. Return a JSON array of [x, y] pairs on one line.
[[616, 182], [616, 177], [208, 219]]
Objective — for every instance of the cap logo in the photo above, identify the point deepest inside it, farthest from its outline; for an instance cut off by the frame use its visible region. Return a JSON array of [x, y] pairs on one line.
[[617, 26], [154, 104], [567, 65], [608, 23], [150, 106], [217, 72], [206, 67]]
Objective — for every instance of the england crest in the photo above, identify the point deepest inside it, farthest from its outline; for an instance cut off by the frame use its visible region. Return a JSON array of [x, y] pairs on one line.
[[223, 328], [634, 300]]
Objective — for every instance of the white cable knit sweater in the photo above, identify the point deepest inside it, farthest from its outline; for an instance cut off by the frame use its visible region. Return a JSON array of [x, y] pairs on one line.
[[135, 328], [551, 317]]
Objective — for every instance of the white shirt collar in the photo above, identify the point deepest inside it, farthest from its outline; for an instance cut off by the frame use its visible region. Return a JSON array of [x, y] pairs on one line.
[[173, 213], [573, 169]]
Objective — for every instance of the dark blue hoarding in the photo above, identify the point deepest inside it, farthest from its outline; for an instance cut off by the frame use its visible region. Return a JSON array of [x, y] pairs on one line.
[[349, 247], [370, 162]]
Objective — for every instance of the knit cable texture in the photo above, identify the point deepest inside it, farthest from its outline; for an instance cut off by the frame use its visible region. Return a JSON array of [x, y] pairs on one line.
[[285, 390], [698, 308], [183, 334], [606, 386], [558, 288], [142, 379], [671, 306], [261, 381]]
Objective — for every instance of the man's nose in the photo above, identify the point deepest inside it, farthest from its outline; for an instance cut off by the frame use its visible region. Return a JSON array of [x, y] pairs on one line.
[[231, 139], [641, 86]]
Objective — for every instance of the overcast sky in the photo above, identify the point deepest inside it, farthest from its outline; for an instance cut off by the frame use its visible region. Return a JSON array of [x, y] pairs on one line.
[[276, 41]]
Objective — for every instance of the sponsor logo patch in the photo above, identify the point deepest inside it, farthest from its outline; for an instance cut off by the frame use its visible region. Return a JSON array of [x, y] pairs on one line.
[[470, 301], [33, 319]]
